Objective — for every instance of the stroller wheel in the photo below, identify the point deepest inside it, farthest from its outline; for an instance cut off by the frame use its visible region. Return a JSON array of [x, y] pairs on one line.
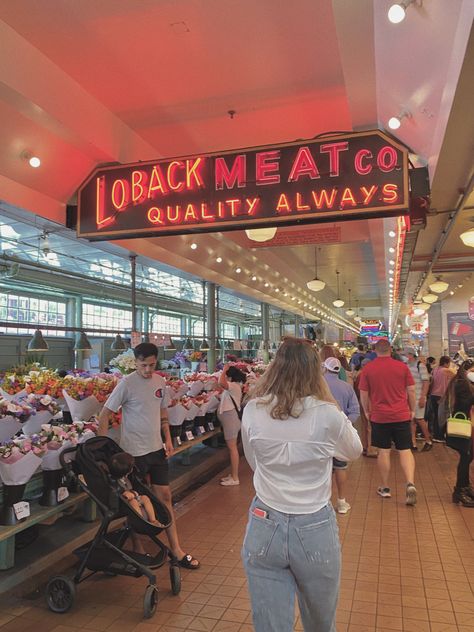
[[175, 578], [150, 601], [60, 593]]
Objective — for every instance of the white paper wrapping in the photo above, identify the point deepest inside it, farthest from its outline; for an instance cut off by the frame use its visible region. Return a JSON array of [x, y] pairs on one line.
[[195, 388], [8, 397], [50, 460], [20, 472], [35, 422], [177, 414], [192, 412], [84, 409], [9, 426], [213, 404]]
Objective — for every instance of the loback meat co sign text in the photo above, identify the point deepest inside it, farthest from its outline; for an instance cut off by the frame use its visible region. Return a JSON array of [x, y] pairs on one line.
[[355, 176]]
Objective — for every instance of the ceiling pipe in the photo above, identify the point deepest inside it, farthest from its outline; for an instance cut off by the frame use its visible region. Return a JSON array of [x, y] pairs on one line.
[[445, 233]]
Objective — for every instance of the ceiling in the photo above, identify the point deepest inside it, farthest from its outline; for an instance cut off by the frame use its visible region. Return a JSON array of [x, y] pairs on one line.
[[88, 83]]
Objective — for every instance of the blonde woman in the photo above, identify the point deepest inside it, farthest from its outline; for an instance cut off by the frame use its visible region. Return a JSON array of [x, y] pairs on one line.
[[291, 430]]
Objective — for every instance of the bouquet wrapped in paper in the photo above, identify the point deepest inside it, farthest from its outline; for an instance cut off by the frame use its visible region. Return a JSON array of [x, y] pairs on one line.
[[176, 413], [13, 414], [20, 458], [46, 408], [124, 362], [12, 386], [56, 439]]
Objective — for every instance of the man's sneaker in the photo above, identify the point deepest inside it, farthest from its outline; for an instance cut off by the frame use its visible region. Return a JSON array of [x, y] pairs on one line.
[[342, 506], [427, 447], [384, 492], [411, 495]]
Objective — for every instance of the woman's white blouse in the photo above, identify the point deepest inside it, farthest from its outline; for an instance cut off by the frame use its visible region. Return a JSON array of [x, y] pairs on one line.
[[292, 458]]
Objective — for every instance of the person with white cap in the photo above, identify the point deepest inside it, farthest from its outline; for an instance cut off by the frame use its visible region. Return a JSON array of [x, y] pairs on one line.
[[346, 397], [421, 378]]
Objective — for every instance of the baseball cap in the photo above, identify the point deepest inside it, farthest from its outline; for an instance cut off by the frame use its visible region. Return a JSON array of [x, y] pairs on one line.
[[332, 364], [410, 350]]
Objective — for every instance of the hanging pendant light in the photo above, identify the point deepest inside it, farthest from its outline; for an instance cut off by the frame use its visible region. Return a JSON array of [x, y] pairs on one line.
[[467, 237], [188, 345], [204, 346], [338, 302], [316, 285], [261, 234], [118, 344], [350, 311], [82, 343], [439, 286], [38, 343], [429, 298]]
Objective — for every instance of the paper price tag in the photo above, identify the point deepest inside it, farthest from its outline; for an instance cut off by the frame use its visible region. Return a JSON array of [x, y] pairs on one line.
[[202, 430], [211, 425], [21, 509], [178, 440], [189, 435], [63, 493]]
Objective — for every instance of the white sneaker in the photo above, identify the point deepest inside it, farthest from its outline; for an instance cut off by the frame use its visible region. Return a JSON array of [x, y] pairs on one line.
[[226, 478], [342, 506], [227, 482]]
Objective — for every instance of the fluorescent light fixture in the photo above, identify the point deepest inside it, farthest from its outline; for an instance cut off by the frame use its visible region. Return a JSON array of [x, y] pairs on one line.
[[261, 234], [439, 286], [193, 246]]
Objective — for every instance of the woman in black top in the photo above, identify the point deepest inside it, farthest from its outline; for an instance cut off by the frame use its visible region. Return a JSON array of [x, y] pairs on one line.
[[460, 398]]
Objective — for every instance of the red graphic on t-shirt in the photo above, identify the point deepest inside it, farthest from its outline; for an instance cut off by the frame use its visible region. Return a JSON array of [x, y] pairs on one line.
[[159, 393]]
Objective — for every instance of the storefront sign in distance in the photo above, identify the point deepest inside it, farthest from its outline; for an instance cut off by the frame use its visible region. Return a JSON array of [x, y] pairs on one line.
[[355, 176]]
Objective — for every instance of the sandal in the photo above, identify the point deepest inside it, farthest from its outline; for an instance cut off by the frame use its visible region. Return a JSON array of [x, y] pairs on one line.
[[187, 562]]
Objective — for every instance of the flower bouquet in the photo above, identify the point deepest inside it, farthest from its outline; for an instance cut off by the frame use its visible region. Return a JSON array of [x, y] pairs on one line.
[[57, 439], [124, 362], [44, 382], [12, 415], [46, 408], [12, 386], [19, 459], [80, 398]]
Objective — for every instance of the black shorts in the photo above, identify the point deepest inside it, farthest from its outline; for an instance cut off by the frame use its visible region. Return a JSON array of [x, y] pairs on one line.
[[156, 465], [399, 433]]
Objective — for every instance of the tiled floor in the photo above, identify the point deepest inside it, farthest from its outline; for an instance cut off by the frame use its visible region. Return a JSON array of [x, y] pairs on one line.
[[403, 568]]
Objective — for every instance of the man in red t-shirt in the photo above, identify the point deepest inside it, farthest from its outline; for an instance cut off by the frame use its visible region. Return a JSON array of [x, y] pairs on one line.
[[387, 395]]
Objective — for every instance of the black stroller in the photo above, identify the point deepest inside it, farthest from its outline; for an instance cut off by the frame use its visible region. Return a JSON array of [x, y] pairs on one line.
[[87, 462]]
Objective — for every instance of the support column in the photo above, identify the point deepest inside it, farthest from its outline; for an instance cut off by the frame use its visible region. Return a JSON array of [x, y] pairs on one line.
[[211, 326], [435, 336], [266, 332], [78, 355], [297, 326], [133, 274]]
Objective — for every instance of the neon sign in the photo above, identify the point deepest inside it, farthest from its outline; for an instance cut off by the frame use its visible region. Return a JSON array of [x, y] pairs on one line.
[[355, 176]]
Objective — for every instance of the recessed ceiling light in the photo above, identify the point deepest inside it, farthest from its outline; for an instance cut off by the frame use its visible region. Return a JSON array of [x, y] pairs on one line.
[[35, 162], [392, 262], [254, 278], [266, 284], [219, 259], [238, 270], [390, 272], [392, 233], [193, 246], [277, 289], [392, 250]]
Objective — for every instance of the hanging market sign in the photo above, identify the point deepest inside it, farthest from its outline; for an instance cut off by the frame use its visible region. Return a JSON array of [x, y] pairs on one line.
[[356, 176]]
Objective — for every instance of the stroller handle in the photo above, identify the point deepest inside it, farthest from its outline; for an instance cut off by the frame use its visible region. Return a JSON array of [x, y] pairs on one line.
[[62, 460]]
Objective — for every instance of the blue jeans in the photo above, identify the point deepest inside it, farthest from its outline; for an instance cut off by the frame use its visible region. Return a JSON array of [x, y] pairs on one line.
[[292, 554]]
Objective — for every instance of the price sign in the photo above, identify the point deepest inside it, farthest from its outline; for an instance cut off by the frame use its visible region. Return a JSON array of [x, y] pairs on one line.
[[21, 509], [189, 435], [63, 493], [178, 440], [202, 430], [211, 425]]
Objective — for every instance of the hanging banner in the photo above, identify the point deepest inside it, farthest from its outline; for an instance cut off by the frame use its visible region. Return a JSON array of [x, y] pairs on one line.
[[353, 176]]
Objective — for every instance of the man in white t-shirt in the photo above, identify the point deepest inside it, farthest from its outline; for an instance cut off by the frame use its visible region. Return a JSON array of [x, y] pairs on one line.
[[421, 378], [142, 398]]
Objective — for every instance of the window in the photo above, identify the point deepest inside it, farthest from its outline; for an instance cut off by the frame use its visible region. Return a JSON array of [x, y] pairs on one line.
[[197, 328], [164, 324], [26, 309], [103, 317], [228, 331]]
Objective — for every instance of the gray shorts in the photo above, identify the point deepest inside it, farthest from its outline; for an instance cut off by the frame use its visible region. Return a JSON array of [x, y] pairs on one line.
[[230, 424]]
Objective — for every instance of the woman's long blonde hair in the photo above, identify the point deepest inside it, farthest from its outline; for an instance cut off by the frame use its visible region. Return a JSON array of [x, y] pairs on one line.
[[295, 373]]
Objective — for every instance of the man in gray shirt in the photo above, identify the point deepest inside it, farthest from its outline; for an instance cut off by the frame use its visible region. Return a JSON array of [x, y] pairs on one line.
[[141, 396]]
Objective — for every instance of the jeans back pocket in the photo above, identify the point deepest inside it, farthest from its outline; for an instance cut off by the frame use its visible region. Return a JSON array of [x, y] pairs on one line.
[[319, 541], [258, 536]]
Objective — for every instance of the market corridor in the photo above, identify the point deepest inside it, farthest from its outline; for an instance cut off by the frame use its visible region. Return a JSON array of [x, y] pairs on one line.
[[403, 569]]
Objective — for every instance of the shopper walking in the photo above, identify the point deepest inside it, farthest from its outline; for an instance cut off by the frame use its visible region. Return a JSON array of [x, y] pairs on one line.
[[141, 397], [291, 430], [387, 393], [460, 399], [231, 381], [440, 379], [345, 396], [365, 427], [421, 379]]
